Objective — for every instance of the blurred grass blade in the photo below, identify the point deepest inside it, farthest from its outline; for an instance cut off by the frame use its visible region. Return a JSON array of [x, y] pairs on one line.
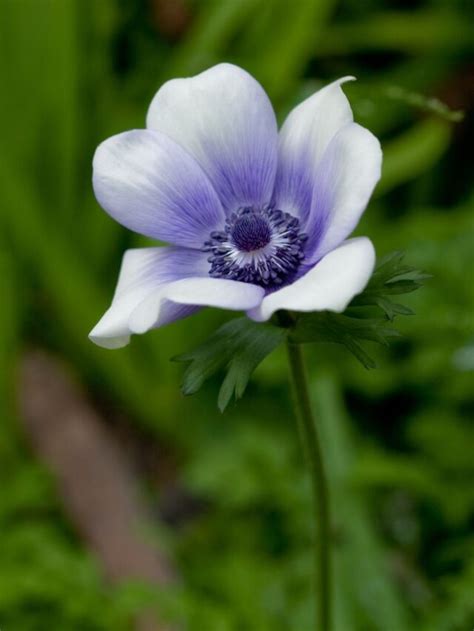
[[413, 153], [216, 24], [362, 576], [76, 299], [411, 31], [298, 33], [10, 326]]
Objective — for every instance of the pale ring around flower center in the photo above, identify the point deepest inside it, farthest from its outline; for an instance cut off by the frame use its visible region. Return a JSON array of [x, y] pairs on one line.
[[263, 246]]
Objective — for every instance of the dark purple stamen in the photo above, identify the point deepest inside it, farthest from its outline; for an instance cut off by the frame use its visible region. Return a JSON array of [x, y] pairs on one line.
[[260, 246], [250, 232]]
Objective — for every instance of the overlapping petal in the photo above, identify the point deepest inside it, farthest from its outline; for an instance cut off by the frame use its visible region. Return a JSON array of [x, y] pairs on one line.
[[143, 272], [196, 292], [345, 179], [225, 120], [151, 185], [212, 147], [330, 285], [304, 137], [157, 286]]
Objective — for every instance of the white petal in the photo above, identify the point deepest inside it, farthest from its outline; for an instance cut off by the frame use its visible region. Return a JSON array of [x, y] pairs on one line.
[[150, 184], [303, 139], [330, 285], [345, 180], [225, 120], [142, 273], [210, 292]]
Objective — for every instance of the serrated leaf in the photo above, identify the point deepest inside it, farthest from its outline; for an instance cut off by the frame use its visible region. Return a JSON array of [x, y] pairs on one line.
[[238, 347], [343, 329], [358, 352], [404, 286], [390, 278], [389, 260], [358, 323]]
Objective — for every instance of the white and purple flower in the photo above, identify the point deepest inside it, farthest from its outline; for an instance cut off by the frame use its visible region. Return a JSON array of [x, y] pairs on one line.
[[257, 220]]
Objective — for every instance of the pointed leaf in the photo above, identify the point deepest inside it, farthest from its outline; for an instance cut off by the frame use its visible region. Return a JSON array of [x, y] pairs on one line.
[[237, 347]]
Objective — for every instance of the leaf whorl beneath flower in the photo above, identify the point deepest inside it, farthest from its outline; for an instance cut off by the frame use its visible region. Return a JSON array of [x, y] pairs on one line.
[[240, 345], [369, 316], [237, 347]]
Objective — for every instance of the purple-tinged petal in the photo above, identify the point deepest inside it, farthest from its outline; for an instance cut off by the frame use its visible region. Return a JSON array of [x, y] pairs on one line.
[[209, 292], [150, 184], [143, 272], [225, 120], [303, 139], [329, 286], [345, 179]]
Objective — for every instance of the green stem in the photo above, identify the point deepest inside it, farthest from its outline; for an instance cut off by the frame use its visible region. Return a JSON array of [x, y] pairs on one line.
[[312, 446]]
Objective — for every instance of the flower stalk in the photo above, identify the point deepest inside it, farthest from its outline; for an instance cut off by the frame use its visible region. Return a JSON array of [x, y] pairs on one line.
[[312, 446]]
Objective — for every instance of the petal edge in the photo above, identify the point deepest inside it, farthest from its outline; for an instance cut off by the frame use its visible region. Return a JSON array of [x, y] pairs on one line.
[[196, 292], [303, 139], [143, 272], [151, 185], [225, 120], [329, 286]]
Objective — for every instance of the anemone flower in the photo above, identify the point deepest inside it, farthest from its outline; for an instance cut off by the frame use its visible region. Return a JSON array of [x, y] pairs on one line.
[[256, 220]]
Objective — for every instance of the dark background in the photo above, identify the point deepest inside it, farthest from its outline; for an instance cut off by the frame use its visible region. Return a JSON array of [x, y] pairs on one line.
[[122, 503]]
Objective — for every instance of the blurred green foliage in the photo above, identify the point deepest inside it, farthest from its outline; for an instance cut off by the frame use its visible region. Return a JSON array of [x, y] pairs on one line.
[[398, 441]]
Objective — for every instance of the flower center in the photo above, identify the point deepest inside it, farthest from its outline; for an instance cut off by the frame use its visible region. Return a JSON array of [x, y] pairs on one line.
[[251, 232], [262, 246]]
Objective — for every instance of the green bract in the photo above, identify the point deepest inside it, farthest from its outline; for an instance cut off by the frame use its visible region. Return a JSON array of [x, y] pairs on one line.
[[240, 345]]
